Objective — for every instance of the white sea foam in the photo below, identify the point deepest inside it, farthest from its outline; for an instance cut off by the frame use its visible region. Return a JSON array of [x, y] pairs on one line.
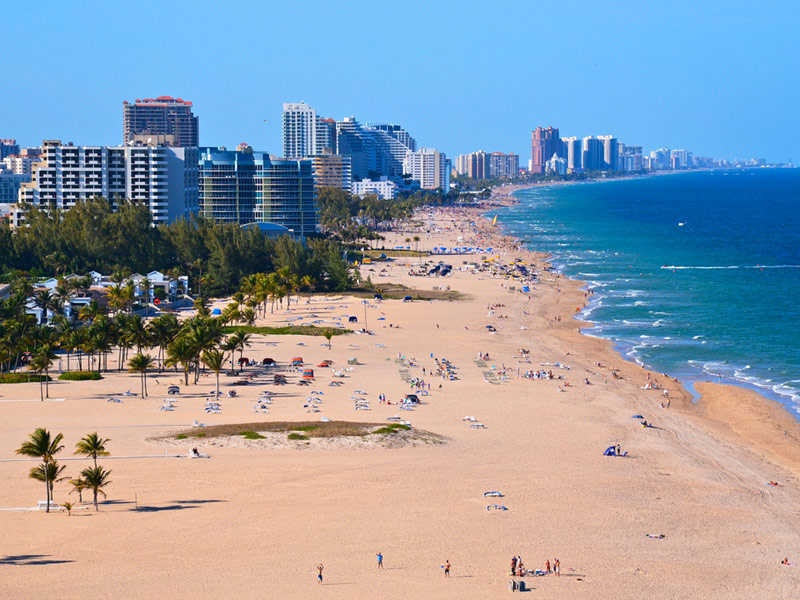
[[719, 267]]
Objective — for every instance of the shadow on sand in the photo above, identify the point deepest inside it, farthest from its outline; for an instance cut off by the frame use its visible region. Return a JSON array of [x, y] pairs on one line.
[[31, 559]]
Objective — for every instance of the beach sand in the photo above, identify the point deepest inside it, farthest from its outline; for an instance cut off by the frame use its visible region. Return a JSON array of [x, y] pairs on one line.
[[254, 520]]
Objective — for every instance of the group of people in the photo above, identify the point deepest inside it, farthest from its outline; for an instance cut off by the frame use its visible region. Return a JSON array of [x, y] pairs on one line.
[[518, 567]]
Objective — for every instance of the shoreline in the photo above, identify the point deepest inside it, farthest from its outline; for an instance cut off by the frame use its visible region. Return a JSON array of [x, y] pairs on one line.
[[787, 402], [708, 395]]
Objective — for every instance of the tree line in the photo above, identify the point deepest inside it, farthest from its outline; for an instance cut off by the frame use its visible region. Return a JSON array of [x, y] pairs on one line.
[[93, 235]]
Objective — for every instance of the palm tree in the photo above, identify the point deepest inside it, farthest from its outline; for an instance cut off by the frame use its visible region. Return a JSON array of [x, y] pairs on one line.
[[41, 445], [92, 446], [48, 474], [214, 360], [162, 331], [90, 311], [328, 333], [248, 315], [47, 302], [40, 363], [241, 340], [180, 351], [68, 506], [139, 364], [78, 485], [136, 331], [96, 479], [202, 334], [416, 243]]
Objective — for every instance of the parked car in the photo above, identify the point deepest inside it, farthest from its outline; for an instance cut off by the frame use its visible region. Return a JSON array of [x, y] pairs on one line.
[[173, 389]]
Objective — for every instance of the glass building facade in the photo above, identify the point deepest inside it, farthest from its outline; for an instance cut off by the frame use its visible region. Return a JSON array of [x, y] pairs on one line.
[[245, 187]]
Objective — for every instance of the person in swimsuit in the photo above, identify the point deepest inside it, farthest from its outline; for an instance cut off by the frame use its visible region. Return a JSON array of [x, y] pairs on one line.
[[447, 568], [380, 560], [557, 567], [320, 566]]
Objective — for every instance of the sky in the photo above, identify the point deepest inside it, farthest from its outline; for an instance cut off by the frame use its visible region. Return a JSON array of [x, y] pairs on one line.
[[718, 78]]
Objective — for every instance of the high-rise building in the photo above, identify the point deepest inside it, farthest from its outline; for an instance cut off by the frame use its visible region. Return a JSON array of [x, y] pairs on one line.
[[544, 144], [680, 159], [332, 170], [20, 165], [610, 152], [165, 121], [299, 130], [592, 154], [9, 189], [397, 132], [573, 154], [504, 165], [392, 143], [475, 165], [430, 167], [659, 159], [246, 187], [8, 147], [163, 179], [632, 159], [326, 136]]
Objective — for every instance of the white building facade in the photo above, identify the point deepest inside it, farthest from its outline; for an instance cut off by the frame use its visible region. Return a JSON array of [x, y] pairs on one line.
[[429, 167], [163, 179], [382, 188]]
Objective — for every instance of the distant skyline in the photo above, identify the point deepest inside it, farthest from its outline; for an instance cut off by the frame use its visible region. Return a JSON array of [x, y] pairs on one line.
[[716, 78]]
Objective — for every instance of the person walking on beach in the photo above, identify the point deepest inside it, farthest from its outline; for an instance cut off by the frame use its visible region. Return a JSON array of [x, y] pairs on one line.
[[513, 565], [447, 568], [380, 560], [320, 566], [547, 566], [557, 567]]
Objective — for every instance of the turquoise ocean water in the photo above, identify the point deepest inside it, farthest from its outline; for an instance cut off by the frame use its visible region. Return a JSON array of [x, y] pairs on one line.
[[695, 274]]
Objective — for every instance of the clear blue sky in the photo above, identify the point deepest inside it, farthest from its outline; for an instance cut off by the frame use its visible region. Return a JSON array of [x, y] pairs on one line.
[[719, 78]]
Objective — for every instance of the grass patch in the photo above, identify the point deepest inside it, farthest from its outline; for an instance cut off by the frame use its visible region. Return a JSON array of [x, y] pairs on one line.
[[23, 378], [251, 435], [396, 291], [200, 435], [393, 428], [286, 330], [297, 436], [80, 376], [306, 428], [375, 254], [181, 436]]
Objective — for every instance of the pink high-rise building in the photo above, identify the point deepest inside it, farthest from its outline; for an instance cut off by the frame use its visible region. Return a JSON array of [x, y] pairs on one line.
[[544, 144]]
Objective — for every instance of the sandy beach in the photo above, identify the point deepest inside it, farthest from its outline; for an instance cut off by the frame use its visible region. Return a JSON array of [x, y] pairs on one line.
[[255, 519]]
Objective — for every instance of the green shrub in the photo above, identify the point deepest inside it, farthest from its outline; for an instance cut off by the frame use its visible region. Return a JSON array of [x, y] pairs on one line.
[[200, 435], [392, 428], [297, 436], [23, 377], [251, 435], [306, 428], [80, 376], [180, 436]]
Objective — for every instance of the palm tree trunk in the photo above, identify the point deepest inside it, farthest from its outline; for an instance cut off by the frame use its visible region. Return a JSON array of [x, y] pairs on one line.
[[217, 384], [142, 387], [47, 383], [144, 379], [41, 389], [95, 501], [47, 488]]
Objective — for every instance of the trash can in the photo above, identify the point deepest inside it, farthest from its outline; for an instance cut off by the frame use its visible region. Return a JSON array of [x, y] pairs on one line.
[[521, 585]]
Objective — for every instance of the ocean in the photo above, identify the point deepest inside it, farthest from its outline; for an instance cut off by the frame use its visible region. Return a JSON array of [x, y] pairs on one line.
[[694, 274]]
